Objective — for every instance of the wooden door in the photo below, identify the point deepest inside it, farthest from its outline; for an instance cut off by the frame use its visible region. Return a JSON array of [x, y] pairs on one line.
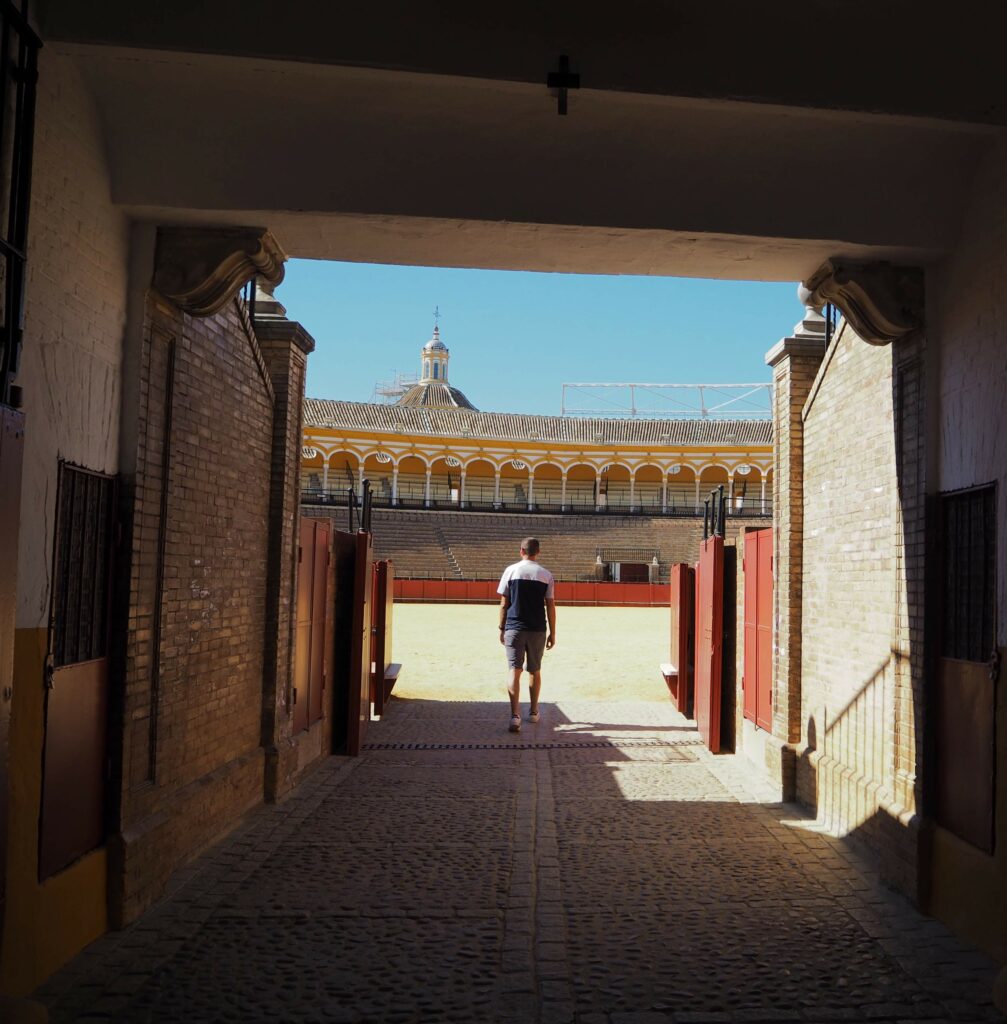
[[359, 689], [317, 680], [967, 668], [302, 635], [11, 451], [710, 629], [381, 650], [682, 635], [344, 551], [757, 680], [74, 777], [309, 643]]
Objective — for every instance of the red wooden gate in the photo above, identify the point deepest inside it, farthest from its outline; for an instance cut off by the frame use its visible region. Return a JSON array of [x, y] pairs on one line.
[[359, 692], [384, 672], [709, 633], [309, 644], [757, 680], [679, 675]]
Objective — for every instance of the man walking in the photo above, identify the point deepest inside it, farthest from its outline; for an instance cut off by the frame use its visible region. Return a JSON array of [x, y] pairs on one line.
[[527, 601]]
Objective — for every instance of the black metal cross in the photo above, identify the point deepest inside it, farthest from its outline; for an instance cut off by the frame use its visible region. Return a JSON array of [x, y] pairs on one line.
[[561, 81]]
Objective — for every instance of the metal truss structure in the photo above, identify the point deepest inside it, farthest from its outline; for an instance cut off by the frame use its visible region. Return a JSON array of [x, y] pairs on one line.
[[668, 401]]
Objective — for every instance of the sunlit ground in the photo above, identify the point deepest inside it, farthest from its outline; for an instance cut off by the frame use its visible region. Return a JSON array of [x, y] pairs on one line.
[[453, 652]]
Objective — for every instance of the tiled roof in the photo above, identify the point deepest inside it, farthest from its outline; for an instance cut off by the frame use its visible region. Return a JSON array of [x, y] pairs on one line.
[[321, 412], [435, 396]]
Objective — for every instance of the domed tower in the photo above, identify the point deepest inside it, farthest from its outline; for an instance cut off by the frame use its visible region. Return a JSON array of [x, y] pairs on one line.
[[433, 390], [435, 359]]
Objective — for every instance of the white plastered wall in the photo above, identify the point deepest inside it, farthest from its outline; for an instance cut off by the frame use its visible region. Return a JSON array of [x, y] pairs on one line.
[[74, 317], [971, 317]]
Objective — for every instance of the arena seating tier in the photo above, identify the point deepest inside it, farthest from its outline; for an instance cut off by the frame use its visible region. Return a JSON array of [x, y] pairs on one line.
[[474, 545]]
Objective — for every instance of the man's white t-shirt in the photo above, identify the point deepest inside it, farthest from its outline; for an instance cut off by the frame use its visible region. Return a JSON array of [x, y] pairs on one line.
[[528, 586]]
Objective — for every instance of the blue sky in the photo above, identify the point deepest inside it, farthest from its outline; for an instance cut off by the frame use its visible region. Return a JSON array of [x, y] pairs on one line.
[[515, 337]]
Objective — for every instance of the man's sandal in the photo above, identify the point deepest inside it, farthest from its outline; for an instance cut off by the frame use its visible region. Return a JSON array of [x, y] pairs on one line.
[[533, 717], [515, 723]]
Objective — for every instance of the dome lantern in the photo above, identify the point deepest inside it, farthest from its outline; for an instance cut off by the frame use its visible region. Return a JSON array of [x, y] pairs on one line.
[[434, 359], [433, 391]]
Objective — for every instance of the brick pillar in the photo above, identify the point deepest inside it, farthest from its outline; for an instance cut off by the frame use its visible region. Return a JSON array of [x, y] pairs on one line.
[[795, 361], [285, 346]]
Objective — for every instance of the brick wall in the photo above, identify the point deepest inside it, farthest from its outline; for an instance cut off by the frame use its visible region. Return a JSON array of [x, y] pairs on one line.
[[194, 667], [862, 567], [285, 347], [795, 363]]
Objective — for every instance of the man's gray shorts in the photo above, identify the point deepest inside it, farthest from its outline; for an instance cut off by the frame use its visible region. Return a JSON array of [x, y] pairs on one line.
[[524, 648]]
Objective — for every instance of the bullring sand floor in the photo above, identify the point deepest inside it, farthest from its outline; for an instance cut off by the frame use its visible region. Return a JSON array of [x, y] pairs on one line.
[[601, 867], [453, 652]]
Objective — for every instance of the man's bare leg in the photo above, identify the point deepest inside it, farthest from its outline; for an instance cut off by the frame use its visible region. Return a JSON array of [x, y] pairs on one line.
[[514, 691], [536, 685]]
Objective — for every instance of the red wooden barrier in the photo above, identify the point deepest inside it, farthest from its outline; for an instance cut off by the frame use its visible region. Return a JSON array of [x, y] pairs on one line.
[[567, 593], [709, 650]]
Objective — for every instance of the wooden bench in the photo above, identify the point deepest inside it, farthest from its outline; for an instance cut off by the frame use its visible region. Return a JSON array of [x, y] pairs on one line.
[[391, 677], [670, 673]]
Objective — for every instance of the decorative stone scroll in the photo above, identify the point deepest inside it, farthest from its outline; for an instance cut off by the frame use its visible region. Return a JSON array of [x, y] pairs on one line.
[[201, 269], [881, 302]]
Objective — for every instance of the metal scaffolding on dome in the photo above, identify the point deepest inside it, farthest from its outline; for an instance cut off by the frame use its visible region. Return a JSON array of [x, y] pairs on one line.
[[611, 400], [388, 392]]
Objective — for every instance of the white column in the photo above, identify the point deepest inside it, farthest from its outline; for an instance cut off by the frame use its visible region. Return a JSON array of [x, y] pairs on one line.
[[426, 490], [597, 492], [562, 492], [632, 490], [461, 489], [664, 493], [699, 506], [496, 488], [360, 489], [730, 492], [395, 485], [531, 491], [763, 496], [325, 476]]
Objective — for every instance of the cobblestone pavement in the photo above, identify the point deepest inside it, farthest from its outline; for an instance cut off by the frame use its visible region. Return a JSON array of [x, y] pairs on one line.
[[600, 868]]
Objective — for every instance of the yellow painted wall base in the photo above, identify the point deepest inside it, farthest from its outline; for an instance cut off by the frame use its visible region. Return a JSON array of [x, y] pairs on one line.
[[46, 923]]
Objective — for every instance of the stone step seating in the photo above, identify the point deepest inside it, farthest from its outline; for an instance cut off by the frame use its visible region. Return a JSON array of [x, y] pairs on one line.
[[484, 543]]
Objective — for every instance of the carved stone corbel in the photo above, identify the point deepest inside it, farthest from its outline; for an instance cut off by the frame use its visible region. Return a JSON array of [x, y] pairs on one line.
[[881, 302], [201, 269]]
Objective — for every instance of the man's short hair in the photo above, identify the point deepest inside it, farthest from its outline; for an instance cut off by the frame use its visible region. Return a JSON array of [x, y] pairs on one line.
[[530, 546]]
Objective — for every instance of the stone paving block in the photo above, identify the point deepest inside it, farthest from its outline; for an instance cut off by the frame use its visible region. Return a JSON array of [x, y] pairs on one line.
[[619, 884]]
